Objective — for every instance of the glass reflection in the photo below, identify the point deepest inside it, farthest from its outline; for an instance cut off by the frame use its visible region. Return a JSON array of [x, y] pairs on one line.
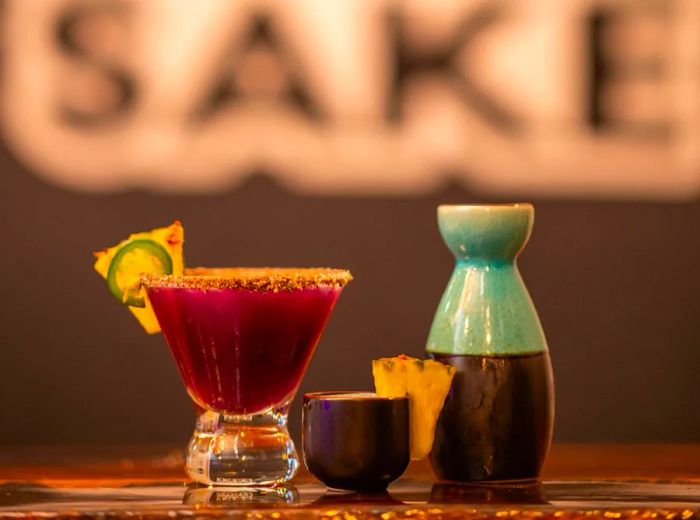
[[336, 497], [233, 497], [529, 493]]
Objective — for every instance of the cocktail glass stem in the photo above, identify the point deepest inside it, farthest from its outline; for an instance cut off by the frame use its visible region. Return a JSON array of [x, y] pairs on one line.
[[242, 450]]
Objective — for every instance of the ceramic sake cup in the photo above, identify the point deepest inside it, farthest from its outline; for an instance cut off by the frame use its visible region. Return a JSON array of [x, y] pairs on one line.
[[355, 440]]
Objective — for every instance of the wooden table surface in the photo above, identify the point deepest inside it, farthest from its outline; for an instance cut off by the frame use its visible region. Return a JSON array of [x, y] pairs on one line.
[[592, 481]]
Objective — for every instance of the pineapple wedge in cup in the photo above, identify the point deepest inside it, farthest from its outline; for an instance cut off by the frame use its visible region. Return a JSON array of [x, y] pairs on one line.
[[426, 383], [362, 441]]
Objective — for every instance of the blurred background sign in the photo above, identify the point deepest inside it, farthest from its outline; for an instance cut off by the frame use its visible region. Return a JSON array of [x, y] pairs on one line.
[[534, 97]]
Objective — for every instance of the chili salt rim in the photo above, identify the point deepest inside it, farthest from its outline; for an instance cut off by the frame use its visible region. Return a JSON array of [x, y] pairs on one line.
[[251, 278]]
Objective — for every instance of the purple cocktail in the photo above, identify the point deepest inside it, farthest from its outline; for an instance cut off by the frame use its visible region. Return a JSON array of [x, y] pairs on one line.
[[242, 339]]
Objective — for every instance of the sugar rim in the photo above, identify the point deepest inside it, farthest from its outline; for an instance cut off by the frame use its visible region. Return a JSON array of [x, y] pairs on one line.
[[250, 278]]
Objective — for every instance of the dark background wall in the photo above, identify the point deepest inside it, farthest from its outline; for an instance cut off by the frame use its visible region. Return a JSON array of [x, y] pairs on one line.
[[615, 284]]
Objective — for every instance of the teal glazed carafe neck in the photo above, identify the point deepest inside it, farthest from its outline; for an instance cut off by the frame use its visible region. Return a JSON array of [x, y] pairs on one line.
[[486, 309]]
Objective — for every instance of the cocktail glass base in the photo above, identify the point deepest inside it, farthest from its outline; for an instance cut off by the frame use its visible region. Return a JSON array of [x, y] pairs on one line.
[[242, 450]]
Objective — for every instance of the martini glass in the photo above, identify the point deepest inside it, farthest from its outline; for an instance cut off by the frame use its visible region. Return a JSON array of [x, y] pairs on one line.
[[242, 339]]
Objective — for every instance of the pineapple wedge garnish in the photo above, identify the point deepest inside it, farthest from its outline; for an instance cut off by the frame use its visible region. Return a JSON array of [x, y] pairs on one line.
[[155, 251], [426, 382]]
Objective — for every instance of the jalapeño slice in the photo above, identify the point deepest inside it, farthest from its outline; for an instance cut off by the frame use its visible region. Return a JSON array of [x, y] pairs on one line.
[[132, 259]]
